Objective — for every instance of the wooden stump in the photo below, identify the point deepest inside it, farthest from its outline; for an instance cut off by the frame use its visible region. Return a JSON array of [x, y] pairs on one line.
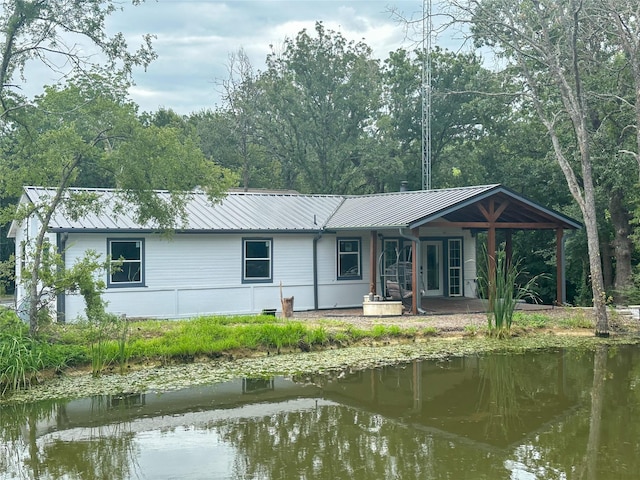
[[287, 307]]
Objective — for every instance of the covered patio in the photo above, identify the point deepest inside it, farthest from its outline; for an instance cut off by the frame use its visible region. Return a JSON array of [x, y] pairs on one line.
[[418, 216], [434, 306]]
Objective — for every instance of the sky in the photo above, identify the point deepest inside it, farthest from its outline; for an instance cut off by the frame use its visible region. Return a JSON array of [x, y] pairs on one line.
[[194, 39]]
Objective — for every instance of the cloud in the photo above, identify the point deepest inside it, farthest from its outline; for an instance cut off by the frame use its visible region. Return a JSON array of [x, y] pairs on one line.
[[194, 38]]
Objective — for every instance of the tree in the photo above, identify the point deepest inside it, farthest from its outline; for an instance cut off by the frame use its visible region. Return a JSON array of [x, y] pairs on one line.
[[466, 117], [51, 32], [315, 103], [90, 125], [551, 46]]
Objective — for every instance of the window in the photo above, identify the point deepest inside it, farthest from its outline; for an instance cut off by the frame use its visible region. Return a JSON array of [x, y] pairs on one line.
[[257, 260], [455, 267], [127, 258], [349, 259]]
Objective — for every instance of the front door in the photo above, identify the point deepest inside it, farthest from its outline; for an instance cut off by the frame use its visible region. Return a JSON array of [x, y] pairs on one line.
[[432, 268]]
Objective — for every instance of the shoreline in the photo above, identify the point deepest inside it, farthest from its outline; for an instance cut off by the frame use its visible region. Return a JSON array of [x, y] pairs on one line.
[[161, 378]]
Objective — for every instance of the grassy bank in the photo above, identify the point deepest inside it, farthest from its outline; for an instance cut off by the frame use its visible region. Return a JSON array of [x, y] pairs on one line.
[[131, 345]]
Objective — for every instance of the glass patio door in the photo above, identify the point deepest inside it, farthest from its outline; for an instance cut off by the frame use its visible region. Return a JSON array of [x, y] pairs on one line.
[[432, 268]]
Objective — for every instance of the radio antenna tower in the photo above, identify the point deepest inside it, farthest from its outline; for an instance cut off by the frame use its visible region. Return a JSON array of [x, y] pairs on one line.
[[426, 94]]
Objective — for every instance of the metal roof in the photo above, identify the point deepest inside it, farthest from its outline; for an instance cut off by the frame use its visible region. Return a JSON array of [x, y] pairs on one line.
[[291, 212], [237, 211], [400, 209]]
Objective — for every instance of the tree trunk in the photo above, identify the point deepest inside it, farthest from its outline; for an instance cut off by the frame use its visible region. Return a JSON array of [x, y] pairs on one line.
[[607, 263], [622, 247], [595, 264]]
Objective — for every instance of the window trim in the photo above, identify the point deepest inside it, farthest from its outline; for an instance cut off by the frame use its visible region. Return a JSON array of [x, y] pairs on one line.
[[141, 283], [338, 254], [246, 279]]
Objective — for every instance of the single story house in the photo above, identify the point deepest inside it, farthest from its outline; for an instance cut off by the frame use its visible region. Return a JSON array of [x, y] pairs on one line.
[[327, 251]]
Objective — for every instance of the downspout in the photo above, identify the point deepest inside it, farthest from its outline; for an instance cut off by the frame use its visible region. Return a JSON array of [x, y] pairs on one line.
[[61, 241], [315, 268], [416, 253]]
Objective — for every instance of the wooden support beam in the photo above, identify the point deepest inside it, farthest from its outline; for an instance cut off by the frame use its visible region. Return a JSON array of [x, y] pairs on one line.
[[414, 273], [508, 246], [559, 267], [486, 225], [373, 266], [491, 254]]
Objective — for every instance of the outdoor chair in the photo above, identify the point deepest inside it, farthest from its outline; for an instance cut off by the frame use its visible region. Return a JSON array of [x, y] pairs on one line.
[[396, 292]]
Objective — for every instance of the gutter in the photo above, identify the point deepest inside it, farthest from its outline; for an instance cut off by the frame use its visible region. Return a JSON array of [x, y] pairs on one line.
[[315, 268], [416, 253], [61, 307]]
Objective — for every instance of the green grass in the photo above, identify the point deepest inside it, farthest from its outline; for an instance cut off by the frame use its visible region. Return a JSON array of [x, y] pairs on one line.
[[173, 341], [531, 320], [430, 331], [576, 321]]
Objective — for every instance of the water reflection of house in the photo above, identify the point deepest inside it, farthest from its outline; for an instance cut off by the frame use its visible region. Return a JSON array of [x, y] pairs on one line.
[[485, 400], [112, 409]]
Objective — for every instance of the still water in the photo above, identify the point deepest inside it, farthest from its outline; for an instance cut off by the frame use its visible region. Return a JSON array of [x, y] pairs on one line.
[[556, 415]]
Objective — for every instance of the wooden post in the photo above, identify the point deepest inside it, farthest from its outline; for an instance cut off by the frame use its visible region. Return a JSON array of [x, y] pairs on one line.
[[287, 307], [491, 254], [373, 266], [508, 246], [559, 267]]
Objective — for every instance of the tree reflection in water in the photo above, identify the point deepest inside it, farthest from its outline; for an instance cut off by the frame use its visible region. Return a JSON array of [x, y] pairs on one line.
[[103, 452], [568, 415]]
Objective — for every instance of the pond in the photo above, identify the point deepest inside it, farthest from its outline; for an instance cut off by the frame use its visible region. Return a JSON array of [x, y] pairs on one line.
[[566, 414]]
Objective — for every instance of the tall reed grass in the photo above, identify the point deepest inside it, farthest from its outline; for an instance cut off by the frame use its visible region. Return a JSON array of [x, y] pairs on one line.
[[505, 292], [20, 359]]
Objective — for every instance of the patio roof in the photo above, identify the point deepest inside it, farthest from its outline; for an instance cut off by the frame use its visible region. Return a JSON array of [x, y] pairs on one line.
[[466, 207]]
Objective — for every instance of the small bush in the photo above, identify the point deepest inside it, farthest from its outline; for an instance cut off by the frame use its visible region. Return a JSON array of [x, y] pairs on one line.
[[430, 331], [471, 330]]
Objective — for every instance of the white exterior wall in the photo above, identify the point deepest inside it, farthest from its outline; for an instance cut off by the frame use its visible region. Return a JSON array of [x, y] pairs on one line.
[[334, 293], [193, 274], [25, 236], [187, 275]]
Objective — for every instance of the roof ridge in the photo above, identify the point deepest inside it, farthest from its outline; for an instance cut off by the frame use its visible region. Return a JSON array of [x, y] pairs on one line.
[[469, 187]]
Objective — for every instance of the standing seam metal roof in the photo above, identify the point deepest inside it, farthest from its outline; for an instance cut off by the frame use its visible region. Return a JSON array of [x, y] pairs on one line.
[[287, 212], [399, 209], [235, 212]]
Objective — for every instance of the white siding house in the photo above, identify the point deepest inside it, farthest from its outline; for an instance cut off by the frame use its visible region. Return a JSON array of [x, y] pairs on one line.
[[233, 256]]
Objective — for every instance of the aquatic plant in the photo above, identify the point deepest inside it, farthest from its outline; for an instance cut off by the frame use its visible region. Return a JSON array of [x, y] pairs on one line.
[[123, 343], [504, 295]]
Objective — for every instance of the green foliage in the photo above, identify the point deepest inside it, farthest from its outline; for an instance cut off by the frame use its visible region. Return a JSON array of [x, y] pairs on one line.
[[20, 359], [430, 331], [471, 330], [504, 295], [311, 110], [86, 132], [7, 272]]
